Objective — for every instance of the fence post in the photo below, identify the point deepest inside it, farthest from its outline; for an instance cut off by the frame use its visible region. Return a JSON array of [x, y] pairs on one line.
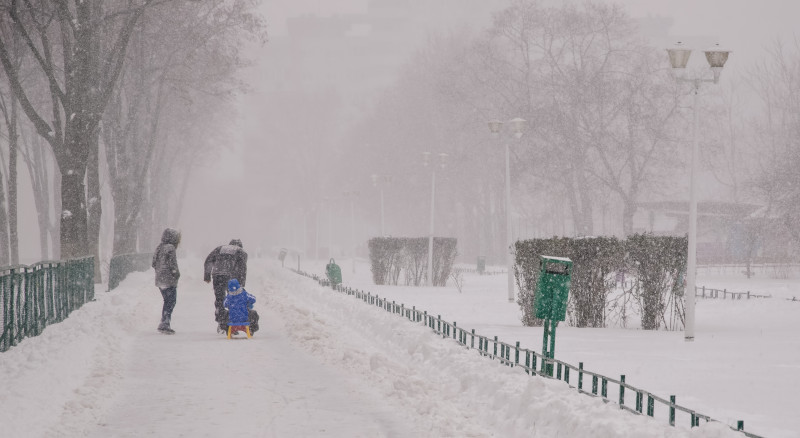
[[472, 342], [740, 425], [580, 376], [495, 347], [650, 404], [516, 354], [622, 391], [639, 401], [527, 361], [672, 410]]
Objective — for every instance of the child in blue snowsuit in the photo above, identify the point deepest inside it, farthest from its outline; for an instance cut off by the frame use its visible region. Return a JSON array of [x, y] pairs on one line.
[[240, 306]]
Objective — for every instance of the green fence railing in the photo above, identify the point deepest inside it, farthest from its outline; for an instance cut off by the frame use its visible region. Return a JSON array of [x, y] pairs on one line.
[[121, 265], [33, 297], [535, 364]]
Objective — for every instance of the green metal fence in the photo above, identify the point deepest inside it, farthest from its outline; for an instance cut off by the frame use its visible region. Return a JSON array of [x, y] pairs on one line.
[[33, 297], [121, 265], [535, 364]]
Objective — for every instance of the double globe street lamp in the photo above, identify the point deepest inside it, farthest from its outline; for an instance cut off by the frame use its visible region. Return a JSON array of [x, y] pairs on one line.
[[678, 58], [517, 126]]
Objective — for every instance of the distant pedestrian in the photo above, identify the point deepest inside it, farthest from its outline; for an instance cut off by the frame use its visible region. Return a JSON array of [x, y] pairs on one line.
[[222, 264], [165, 264]]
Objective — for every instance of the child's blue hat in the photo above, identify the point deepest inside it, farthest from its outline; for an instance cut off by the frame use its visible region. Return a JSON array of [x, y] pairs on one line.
[[233, 285]]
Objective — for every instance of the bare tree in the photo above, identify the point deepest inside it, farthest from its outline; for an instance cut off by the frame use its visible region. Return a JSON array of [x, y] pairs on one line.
[[64, 39], [178, 71]]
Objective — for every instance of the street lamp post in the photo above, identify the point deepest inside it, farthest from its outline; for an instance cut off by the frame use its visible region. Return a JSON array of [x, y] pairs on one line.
[[327, 202], [316, 232], [678, 58], [517, 126], [352, 195], [379, 181], [425, 162]]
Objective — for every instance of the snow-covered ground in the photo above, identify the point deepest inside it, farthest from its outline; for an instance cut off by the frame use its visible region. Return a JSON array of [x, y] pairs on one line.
[[325, 364]]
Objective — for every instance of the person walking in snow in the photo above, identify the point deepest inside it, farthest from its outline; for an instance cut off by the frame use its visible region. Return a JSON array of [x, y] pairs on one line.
[[224, 263], [240, 306], [165, 264]]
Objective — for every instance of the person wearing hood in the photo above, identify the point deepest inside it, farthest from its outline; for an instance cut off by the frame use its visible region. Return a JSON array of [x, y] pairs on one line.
[[240, 306], [165, 263], [224, 263]]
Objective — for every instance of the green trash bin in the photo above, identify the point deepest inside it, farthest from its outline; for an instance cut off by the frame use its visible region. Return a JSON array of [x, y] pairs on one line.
[[550, 301], [334, 273]]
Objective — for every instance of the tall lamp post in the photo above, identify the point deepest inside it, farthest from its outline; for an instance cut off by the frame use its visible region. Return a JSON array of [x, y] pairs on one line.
[[678, 58], [426, 157], [379, 181], [327, 202], [517, 125], [352, 195]]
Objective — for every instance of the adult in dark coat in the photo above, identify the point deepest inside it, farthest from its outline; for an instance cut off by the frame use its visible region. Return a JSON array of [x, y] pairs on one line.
[[165, 264], [224, 263]]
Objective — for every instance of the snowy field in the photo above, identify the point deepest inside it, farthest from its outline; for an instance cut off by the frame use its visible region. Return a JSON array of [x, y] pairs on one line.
[[325, 364]]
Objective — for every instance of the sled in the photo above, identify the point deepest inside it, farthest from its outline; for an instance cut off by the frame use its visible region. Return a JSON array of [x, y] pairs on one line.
[[236, 328]]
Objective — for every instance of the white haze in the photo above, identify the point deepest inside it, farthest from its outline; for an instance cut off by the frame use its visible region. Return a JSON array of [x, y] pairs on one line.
[[233, 194]]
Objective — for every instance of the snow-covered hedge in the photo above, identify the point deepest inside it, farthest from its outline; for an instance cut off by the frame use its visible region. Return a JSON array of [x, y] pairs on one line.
[[391, 256], [656, 263]]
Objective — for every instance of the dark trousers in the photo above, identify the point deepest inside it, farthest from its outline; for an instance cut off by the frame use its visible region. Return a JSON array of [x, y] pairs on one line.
[[220, 290], [170, 295]]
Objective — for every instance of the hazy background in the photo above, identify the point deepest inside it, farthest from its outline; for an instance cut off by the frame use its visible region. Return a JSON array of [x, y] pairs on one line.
[[311, 83]]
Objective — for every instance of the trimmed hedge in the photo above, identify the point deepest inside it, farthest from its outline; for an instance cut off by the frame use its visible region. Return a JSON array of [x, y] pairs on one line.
[[391, 256], [657, 264]]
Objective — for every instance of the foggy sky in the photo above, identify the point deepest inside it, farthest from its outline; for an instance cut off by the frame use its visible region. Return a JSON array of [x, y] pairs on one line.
[[223, 203]]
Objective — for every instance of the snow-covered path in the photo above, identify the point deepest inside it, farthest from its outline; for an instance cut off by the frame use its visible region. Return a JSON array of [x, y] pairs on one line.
[[323, 364], [197, 384]]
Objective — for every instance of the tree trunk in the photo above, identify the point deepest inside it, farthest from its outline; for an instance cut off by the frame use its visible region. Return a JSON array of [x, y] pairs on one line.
[[55, 225], [124, 232], [94, 208], [73, 214], [4, 254], [628, 210], [13, 144], [39, 175]]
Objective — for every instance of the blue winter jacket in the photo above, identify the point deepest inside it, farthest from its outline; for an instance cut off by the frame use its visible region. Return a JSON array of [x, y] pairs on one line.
[[238, 302]]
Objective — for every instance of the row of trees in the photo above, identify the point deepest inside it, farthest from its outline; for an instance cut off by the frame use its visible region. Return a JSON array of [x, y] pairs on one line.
[[608, 127], [599, 101], [145, 83]]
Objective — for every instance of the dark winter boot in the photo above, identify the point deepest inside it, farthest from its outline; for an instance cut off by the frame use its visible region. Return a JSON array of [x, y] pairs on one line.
[[164, 326], [252, 316]]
